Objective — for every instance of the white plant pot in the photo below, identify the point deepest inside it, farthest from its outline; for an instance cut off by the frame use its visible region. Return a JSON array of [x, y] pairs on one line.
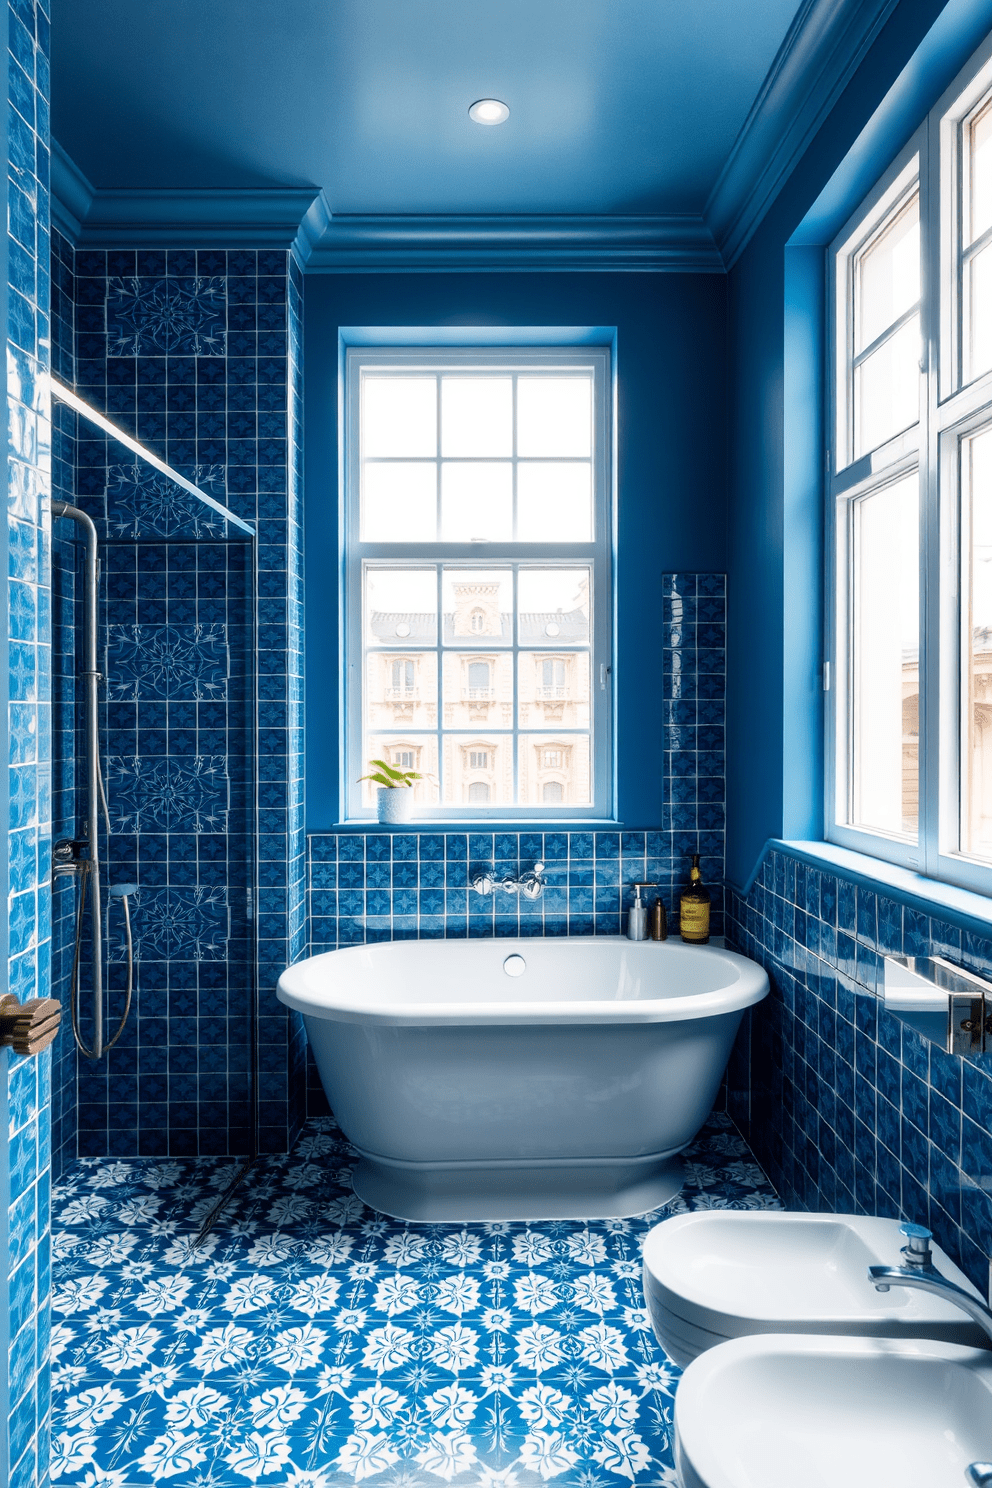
[[394, 803]]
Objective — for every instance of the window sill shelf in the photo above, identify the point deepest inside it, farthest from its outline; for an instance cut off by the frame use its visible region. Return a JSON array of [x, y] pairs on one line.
[[423, 824], [961, 906]]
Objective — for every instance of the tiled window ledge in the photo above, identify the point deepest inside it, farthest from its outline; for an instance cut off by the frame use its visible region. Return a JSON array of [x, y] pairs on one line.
[[962, 907], [423, 824]]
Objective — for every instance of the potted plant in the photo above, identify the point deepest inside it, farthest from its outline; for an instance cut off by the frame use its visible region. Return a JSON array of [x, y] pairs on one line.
[[394, 796]]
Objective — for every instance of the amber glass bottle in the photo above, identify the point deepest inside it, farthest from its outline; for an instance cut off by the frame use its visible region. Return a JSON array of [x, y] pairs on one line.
[[694, 908]]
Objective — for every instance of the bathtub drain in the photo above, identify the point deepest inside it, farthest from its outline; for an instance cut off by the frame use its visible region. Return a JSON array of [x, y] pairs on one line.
[[514, 965]]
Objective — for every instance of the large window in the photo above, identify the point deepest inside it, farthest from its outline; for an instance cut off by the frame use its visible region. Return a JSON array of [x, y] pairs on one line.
[[477, 558], [909, 712]]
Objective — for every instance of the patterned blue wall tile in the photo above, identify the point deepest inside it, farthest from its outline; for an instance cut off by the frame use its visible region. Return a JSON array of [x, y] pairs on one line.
[[176, 317], [167, 661], [164, 794]]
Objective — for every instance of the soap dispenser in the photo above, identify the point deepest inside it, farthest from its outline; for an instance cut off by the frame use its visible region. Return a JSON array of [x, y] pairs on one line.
[[637, 915]]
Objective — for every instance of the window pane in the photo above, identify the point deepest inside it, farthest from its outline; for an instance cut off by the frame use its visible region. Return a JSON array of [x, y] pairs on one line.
[[399, 416], [476, 502], [887, 389], [553, 689], [399, 503], [980, 312], [478, 606], [886, 588], [888, 277], [981, 174], [478, 769], [462, 647], [404, 752], [400, 607], [553, 763], [477, 416], [554, 502], [554, 416], [478, 694], [554, 606], [976, 680], [400, 693]]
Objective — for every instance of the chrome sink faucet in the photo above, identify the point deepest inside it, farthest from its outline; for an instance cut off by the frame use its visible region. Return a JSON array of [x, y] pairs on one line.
[[919, 1271], [530, 884]]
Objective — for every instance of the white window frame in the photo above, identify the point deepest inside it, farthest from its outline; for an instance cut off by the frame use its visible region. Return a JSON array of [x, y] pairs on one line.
[[952, 408], [597, 555]]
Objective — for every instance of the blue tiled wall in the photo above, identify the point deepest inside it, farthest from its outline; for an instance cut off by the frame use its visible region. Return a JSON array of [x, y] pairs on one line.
[[416, 885], [694, 758], [847, 1108], [65, 719], [198, 355], [26, 1082]]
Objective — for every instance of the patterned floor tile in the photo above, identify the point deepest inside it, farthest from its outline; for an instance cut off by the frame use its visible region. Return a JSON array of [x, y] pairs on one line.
[[311, 1343]]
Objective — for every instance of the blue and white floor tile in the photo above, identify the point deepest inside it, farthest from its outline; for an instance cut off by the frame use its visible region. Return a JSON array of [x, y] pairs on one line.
[[313, 1343]]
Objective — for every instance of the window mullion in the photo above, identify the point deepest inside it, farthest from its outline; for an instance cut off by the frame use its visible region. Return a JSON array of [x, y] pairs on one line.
[[932, 723], [886, 335], [977, 246]]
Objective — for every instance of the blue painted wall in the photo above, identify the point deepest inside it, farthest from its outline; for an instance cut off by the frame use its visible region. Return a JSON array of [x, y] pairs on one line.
[[846, 1109], [671, 422], [775, 460]]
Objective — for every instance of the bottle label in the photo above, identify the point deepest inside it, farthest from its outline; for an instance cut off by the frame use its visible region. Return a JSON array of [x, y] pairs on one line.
[[694, 920]]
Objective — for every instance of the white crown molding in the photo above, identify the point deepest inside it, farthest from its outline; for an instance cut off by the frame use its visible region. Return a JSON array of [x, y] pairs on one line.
[[513, 243], [290, 218], [823, 48], [301, 220], [196, 219], [72, 194], [312, 228]]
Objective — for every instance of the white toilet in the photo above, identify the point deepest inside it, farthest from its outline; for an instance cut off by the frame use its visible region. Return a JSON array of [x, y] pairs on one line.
[[719, 1274]]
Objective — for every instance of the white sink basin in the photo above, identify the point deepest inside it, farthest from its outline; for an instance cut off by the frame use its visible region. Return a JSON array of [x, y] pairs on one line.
[[780, 1410]]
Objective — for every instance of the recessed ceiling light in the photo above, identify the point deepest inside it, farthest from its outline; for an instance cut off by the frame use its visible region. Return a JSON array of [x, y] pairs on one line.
[[489, 111]]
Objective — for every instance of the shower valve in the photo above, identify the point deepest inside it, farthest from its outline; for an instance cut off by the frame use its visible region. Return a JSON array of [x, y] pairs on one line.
[[67, 858]]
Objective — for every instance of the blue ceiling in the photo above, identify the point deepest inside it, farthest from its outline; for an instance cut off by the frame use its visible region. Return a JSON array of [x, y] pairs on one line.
[[616, 106]]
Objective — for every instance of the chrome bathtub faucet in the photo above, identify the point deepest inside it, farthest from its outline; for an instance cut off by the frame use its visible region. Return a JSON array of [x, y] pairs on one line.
[[530, 884], [920, 1272]]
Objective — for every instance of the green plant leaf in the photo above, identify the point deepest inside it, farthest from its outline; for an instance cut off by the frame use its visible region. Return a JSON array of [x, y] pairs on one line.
[[386, 775], [388, 770]]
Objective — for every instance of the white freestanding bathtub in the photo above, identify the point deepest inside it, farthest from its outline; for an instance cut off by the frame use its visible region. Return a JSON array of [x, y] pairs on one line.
[[521, 1079]]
